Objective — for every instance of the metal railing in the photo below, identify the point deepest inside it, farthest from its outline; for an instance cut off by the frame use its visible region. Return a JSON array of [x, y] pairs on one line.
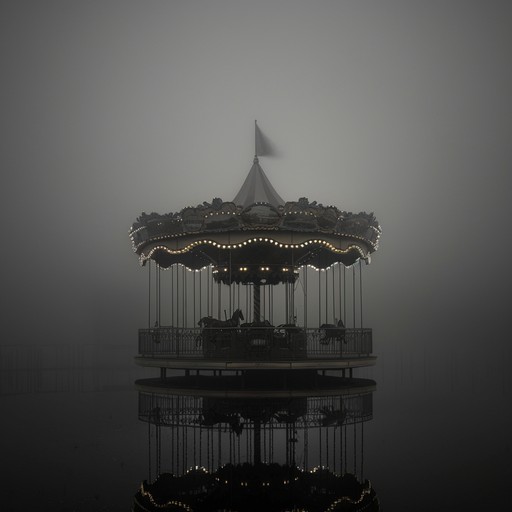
[[305, 412], [255, 343]]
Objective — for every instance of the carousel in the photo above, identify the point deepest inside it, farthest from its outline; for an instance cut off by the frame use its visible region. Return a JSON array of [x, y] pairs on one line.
[[215, 444], [255, 283]]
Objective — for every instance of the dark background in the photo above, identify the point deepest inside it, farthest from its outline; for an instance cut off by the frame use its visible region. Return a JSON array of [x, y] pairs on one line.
[[404, 108]]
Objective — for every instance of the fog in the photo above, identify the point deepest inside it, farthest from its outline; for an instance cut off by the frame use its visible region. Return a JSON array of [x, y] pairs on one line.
[[113, 108], [404, 108]]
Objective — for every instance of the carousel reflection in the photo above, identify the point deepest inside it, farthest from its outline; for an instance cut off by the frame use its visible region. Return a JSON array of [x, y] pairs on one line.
[[223, 443]]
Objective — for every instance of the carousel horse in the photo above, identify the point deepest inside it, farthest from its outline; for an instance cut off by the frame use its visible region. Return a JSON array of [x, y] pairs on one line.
[[332, 417], [212, 327], [211, 418], [206, 321], [332, 332], [288, 334], [257, 325]]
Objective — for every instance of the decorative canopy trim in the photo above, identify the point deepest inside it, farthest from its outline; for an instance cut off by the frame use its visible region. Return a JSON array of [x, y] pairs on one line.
[[299, 217], [270, 241], [242, 262], [255, 482]]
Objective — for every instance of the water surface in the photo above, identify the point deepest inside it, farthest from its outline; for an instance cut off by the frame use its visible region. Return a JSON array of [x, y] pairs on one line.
[[439, 438]]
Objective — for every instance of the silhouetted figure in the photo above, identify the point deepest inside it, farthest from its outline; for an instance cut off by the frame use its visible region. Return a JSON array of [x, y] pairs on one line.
[[332, 332]]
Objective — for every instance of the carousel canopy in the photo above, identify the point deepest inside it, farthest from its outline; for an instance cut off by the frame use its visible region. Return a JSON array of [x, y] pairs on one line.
[[270, 487], [257, 237]]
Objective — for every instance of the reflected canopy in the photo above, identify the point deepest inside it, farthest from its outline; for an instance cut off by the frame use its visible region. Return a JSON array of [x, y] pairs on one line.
[[255, 447]]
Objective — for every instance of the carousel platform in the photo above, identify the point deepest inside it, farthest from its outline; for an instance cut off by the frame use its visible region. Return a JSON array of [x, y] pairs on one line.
[[260, 385], [262, 348], [216, 364]]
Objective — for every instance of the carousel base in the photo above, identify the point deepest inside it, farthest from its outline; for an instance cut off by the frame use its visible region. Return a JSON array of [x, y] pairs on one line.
[[257, 384], [215, 364]]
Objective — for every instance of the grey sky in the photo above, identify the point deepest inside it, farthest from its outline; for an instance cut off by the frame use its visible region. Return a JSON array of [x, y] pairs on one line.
[[110, 108]]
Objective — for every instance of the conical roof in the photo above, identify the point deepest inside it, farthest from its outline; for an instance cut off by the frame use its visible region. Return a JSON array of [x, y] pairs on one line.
[[257, 189]]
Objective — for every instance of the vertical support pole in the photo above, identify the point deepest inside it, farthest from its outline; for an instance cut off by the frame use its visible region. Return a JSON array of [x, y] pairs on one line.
[[339, 291], [159, 297], [149, 294], [271, 302], [149, 451], [362, 452], [326, 298], [341, 447], [305, 296], [344, 295], [257, 442], [353, 296], [320, 445], [256, 302], [286, 302], [262, 293], [172, 296], [194, 299], [185, 297], [361, 293], [291, 319], [219, 447], [208, 308], [219, 300], [355, 449], [319, 297], [334, 450], [248, 301], [177, 297], [230, 283], [200, 296]]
